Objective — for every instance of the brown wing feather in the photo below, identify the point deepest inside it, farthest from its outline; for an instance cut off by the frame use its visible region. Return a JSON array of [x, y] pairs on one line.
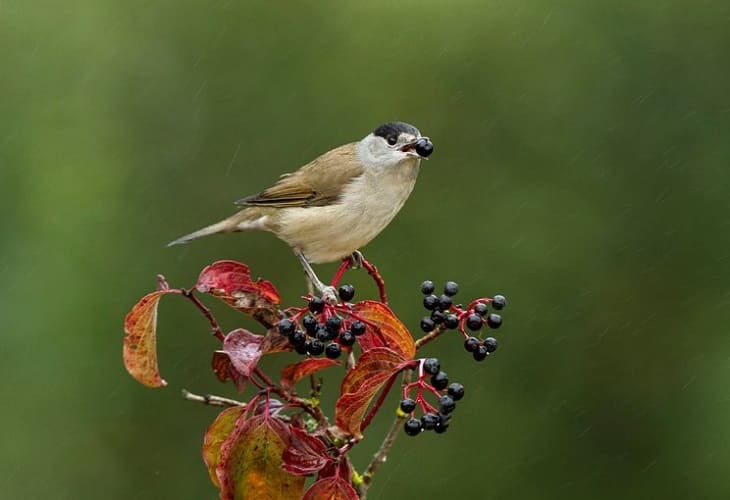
[[315, 184]]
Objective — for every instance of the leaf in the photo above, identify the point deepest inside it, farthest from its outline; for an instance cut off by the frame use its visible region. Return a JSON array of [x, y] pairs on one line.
[[231, 281], [140, 340], [223, 369], [294, 372], [390, 329], [244, 349], [361, 384], [215, 435], [306, 453], [331, 488], [250, 463]]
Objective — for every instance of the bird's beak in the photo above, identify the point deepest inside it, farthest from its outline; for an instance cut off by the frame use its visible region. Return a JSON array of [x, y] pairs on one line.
[[410, 148]]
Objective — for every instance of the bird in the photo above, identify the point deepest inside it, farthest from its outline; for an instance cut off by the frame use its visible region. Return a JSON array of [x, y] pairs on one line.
[[334, 205]]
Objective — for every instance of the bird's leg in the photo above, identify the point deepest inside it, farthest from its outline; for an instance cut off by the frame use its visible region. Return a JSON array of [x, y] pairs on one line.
[[329, 294], [356, 259]]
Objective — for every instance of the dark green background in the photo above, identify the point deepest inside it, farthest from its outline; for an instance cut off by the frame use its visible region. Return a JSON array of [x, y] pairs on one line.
[[580, 168]]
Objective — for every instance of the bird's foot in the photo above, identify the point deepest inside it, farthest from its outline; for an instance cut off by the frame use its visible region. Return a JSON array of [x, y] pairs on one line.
[[329, 294], [356, 259]]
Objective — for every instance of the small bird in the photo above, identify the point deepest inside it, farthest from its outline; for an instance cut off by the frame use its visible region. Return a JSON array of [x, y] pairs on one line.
[[337, 203]]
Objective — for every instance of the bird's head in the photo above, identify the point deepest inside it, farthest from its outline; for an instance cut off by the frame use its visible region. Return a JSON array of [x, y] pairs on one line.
[[393, 143]]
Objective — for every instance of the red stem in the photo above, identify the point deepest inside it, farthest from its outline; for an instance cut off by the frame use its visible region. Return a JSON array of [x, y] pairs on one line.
[[373, 272], [378, 403], [346, 264], [206, 312]]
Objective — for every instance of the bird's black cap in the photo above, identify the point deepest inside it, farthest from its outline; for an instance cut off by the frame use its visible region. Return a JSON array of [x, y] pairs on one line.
[[394, 129]]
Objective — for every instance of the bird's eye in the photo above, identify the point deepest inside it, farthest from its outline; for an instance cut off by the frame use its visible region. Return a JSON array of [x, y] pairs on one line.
[[392, 140]]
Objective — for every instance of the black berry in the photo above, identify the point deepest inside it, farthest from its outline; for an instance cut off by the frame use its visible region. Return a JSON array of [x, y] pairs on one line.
[[301, 348], [322, 334], [456, 391], [427, 287], [297, 338], [444, 302], [451, 321], [474, 322], [480, 353], [451, 288], [429, 421], [481, 309], [446, 404], [333, 351], [491, 344], [346, 338], [287, 327], [432, 366], [357, 328], [438, 317], [499, 301], [316, 304], [407, 405], [430, 302], [440, 380], [471, 344], [346, 292], [424, 147], [412, 426], [333, 325], [310, 324], [316, 347], [494, 320], [441, 428], [427, 324]]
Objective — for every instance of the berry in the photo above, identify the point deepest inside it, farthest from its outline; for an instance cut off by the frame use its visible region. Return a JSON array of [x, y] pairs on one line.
[[481, 309], [310, 324], [424, 147], [499, 301], [444, 302], [412, 426], [494, 320], [474, 322], [323, 335], [357, 328], [456, 391], [297, 338], [427, 324], [440, 380], [346, 338], [316, 347], [429, 421], [333, 351], [446, 404], [346, 292], [451, 288], [432, 366], [287, 327], [480, 353], [491, 344], [451, 321], [471, 344], [427, 287], [316, 304], [430, 302], [301, 349], [438, 317], [407, 405], [333, 325], [441, 428]]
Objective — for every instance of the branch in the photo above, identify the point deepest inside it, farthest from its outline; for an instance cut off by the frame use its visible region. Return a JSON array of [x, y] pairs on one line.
[[209, 399]]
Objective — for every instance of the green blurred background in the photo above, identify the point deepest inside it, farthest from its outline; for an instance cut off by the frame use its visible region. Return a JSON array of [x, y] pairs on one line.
[[580, 169]]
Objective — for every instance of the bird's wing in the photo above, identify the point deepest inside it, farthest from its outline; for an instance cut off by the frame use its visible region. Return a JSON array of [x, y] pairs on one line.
[[318, 183]]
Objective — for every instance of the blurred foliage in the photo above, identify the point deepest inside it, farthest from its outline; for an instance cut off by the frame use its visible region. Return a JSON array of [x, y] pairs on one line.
[[581, 168]]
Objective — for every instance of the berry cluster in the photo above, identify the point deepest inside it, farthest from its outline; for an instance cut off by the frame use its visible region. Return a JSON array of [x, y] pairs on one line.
[[447, 316], [432, 418], [318, 329]]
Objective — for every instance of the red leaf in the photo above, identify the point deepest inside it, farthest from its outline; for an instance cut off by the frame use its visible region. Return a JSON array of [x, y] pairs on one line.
[[223, 369], [331, 488], [216, 434], [244, 349], [140, 340], [389, 329], [231, 281], [361, 384], [250, 463], [297, 371], [306, 453]]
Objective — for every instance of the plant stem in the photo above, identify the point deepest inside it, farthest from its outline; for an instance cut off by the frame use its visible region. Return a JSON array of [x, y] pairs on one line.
[[206, 312], [209, 399]]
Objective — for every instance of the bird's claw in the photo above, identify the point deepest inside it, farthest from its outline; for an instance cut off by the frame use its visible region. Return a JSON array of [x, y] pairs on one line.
[[356, 259], [329, 294]]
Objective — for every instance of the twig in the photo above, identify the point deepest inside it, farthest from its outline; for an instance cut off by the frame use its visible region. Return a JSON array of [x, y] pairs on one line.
[[206, 312], [382, 454], [433, 335], [373, 272], [209, 399]]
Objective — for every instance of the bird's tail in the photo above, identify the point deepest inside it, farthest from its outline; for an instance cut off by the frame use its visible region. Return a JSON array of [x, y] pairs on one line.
[[238, 222]]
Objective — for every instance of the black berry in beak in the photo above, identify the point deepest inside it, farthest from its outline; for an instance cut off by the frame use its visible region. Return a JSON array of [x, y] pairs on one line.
[[424, 147]]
